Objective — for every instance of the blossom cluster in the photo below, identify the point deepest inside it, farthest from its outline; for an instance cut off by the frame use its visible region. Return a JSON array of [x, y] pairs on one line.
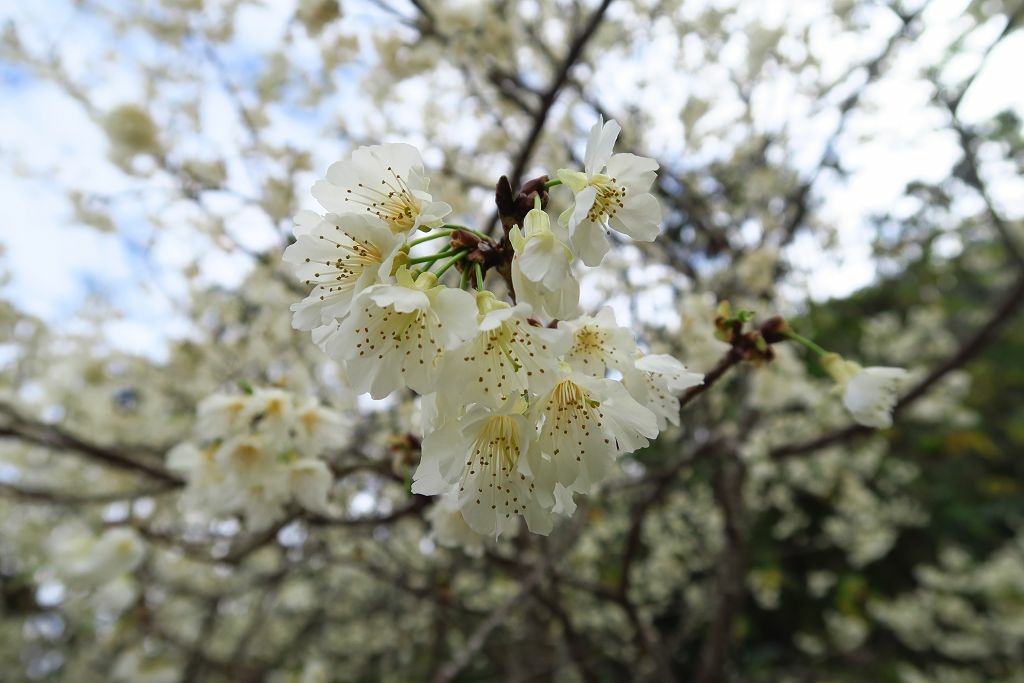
[[525, 402], [89, 561], [257, 452]]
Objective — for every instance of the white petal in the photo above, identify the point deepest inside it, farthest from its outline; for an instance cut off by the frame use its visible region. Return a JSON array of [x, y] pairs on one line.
[[330, 196], [401, 157], [600, 145], [379, 377], [305, 220], [574, 180], [432, 214], [403, 299], [564, 302], [590, 243], [564, 503], [457, 311], [542, 259], [635, 172], [640, 218], [674, 373], [584, 201], [871, 395], [440, 460]]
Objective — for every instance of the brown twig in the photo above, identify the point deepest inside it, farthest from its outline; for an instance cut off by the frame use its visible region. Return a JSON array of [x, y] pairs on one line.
[[52, 497], [972, 175], [731, 358], [476, 642], [548, 97], [1012, 301], [732, 569]]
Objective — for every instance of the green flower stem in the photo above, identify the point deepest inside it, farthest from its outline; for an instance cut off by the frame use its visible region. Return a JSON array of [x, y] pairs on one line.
[[431, 257], [479, 276], [552, 183], [453, 226], [432, 236], [458, 257], [464, 281], [804, 341]]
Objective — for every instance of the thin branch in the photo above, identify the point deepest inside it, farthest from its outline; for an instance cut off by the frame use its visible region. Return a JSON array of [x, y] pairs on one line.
[[1011, 24], [732, 568], [1011, 303], [52, 497], [253, 543], [547, 99], [413, 507], [38, 433], [197, 659], [973, 177], [731, 358], [476, 642]]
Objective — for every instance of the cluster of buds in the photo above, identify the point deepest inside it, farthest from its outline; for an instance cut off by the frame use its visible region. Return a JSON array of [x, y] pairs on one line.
[[754, 345]]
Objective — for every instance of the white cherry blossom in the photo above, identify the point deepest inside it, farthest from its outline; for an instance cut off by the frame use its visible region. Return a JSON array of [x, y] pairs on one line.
[[383, 181], [396, 334], [599, 344], [482, 457], [583, 424], [869, 394], [250, 461], [508, 355], [317, 429], [655, 382], [207, 481], [221, 414], [90, 561], [612, 192], [263, 459], [338, 256], [542, 268], [273, 410]]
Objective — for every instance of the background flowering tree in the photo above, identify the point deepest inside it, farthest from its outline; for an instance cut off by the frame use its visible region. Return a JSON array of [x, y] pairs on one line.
[[193, 489]]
